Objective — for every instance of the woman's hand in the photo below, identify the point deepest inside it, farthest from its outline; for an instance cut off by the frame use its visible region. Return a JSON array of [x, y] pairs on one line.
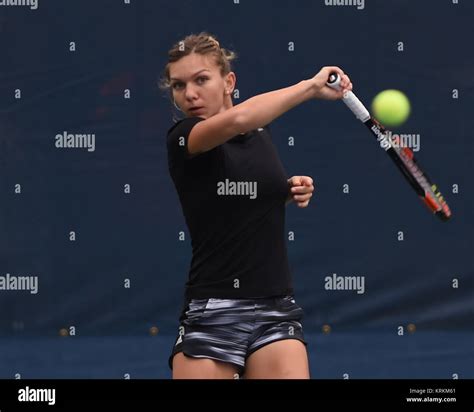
[[321, 90], [301, 189]]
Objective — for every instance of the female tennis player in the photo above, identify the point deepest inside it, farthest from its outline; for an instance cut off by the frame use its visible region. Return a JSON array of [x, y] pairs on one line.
[[239, 317]]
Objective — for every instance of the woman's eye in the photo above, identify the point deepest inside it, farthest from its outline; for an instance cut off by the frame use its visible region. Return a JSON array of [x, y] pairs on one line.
[[177, 85]]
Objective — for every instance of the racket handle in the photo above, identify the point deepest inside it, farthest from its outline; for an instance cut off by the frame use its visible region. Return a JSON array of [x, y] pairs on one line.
[[350, 99]]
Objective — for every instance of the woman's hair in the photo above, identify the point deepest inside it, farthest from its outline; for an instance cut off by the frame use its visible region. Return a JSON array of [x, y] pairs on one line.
[[202, 43]]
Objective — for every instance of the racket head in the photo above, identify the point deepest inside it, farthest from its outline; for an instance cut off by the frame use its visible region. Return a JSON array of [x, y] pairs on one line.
[[405, 160]]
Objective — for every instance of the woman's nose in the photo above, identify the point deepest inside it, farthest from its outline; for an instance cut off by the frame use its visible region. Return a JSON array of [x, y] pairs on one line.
[[190, 92]]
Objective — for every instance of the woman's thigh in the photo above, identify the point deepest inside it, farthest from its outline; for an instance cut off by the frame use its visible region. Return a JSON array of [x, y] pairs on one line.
[[185, 367], [283, 359]]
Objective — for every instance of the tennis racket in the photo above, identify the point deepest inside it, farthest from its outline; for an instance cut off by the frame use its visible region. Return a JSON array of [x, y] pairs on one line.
[[402, 156]]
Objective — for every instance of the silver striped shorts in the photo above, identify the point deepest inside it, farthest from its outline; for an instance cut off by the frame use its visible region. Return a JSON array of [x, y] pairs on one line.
[[230, 330]]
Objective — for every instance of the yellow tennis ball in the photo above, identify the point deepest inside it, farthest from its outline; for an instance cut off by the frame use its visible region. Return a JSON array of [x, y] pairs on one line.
[[391, 107]]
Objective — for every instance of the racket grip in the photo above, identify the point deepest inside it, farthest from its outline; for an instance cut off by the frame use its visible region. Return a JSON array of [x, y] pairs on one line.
[[350, 99]]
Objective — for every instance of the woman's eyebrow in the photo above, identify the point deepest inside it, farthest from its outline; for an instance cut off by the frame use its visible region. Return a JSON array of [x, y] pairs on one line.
[[194, 75]]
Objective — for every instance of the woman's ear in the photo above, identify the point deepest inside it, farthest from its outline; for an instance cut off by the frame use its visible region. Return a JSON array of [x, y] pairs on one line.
[[230, 82]]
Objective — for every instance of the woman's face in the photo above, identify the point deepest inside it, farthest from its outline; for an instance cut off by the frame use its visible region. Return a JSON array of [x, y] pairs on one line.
[[198, 87]]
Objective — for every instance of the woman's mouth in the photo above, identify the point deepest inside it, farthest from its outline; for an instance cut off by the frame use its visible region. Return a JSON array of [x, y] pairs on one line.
[[196, 110]]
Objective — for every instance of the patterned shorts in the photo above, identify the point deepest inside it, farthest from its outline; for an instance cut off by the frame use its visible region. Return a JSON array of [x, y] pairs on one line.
[[230, 330]]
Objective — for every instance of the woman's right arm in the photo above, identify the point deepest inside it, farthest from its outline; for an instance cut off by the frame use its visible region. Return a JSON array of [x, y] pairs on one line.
[[261, 110]]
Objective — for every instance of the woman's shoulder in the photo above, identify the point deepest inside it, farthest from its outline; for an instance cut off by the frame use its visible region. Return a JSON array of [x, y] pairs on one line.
[[183, 123]]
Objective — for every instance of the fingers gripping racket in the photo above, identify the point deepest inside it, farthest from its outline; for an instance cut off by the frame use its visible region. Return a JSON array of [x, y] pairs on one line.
[[402, 156]]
